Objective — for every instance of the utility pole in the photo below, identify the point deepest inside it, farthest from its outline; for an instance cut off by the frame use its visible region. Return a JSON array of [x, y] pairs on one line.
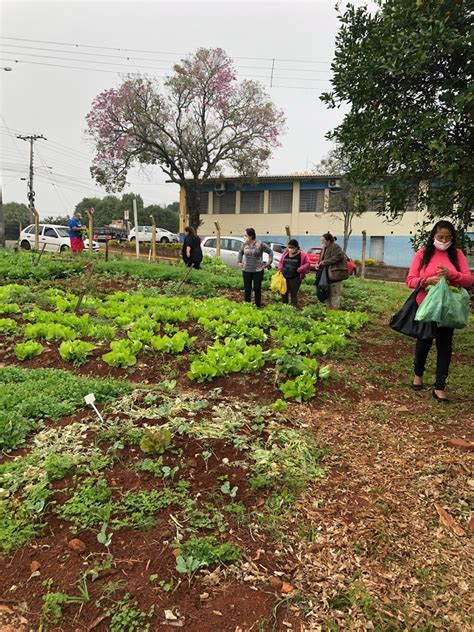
[[31, 191]]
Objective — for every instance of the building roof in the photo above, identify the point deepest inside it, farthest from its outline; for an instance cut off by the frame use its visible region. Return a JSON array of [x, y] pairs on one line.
[[273, 178]]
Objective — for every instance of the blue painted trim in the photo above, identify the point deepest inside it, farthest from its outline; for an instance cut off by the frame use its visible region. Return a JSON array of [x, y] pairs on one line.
[[305, 186]]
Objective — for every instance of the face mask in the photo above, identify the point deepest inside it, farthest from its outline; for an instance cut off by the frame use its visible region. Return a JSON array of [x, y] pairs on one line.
[[441, 245]]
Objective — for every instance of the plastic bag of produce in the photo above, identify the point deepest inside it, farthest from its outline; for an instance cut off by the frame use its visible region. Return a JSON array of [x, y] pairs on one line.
[[446, 306]]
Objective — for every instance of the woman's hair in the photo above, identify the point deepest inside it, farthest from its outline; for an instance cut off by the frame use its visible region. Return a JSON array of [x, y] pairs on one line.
[[251, 233], [329, 237], [190, 230], [430, 248], [293, 243]]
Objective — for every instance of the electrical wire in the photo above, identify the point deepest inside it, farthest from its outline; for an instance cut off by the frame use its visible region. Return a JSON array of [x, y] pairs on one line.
[[133, 50], [116, 72], [274, 76], [128, 58]]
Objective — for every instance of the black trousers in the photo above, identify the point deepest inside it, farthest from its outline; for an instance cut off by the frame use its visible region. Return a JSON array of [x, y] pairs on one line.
[[194, 264], [444, 346], [292, 287], [255, 279]]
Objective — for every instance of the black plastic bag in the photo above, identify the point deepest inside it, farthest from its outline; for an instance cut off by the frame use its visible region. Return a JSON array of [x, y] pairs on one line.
[[404, 320], [322, 284]]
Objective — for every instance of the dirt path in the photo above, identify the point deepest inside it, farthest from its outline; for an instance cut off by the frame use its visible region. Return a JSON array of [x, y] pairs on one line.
[[382, 557]]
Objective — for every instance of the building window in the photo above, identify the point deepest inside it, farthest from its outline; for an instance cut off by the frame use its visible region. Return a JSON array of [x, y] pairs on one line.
[[204, 207], [224, 203], [251, 202], [312, 201], [336, 200], [280, 201]]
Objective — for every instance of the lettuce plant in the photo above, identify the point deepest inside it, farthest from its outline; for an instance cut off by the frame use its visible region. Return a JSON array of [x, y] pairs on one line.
[[76, 351], [27, 350]]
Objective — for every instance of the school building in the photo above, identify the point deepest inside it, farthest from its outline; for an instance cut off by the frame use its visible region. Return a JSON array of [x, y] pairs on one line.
[[307, 204]]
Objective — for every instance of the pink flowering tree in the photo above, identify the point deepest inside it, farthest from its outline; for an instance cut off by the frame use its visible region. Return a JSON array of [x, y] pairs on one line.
[[203, 122]]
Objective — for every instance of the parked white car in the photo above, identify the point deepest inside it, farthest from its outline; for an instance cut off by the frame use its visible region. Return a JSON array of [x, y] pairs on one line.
[[53, 238], [144, 234], [230, 246]]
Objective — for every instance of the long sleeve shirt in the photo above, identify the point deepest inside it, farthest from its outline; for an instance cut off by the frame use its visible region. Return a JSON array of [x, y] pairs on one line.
[[304, 263], [251, 252], [418, 275]]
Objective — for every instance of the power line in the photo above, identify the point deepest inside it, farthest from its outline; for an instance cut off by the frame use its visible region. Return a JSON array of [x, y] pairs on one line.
[[128, 58], [140, 67], [116, 72], [151, 52], [58, 192]]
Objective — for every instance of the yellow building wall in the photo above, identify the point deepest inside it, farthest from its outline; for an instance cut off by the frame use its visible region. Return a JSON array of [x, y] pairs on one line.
[[301, 224]]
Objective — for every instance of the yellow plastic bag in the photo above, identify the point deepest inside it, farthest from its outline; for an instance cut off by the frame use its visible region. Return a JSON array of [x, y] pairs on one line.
[[278, 283]]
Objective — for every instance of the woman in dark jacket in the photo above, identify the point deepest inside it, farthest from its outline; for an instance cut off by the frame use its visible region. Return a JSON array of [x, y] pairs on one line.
[[191, 252], [334, 258]]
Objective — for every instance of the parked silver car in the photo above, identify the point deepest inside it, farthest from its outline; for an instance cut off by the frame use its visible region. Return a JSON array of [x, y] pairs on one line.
[[230, 246]]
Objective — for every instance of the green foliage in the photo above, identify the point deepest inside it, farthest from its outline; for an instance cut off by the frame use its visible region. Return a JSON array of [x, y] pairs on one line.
[[8, 326], [123, 353], [137, 509], [403, 69], [127, 616], [208, 551], [88, 506], [19, 266], [230, 357], [76, 351], [16, 527], [174, 344], [14, 293], [27, 397], [300, 389], [27, 350], [9, 308], [49, 331], [155, 440]]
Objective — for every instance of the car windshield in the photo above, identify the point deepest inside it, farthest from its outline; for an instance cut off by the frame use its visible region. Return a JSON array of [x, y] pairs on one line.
[[62, 231]]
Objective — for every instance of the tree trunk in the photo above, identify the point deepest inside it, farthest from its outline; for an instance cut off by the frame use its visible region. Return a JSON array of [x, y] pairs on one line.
[[193, 190]]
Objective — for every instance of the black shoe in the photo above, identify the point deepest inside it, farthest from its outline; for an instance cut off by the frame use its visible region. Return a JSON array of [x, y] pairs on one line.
[[440, 400], [417, 387]]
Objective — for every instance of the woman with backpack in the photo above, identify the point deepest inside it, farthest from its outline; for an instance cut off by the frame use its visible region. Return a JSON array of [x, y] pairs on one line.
[[439, 258], [294, 264], [334, 258], [251, 263]]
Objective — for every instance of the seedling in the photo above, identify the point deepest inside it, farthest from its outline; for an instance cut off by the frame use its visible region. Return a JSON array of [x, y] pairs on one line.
[[230, 491]]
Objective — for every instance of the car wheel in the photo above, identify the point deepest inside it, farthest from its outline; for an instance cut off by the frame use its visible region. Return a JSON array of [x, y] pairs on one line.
[[64, 249], [164, 240], [25, 245], [132, 239]]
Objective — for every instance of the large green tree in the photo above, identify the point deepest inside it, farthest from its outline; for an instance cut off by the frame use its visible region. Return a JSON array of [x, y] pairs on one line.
[[404, 72], [17, 216], [111, 208], [204, 121]]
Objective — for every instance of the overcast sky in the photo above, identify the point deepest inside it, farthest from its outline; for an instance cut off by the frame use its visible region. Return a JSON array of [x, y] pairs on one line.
[[44, 98]]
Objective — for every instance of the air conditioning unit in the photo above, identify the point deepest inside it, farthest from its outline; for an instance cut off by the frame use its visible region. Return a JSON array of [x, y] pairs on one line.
[[334, 183], [219, 187]]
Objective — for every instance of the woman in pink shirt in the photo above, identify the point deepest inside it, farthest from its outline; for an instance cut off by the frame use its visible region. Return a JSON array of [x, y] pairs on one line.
[[440, 258]]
